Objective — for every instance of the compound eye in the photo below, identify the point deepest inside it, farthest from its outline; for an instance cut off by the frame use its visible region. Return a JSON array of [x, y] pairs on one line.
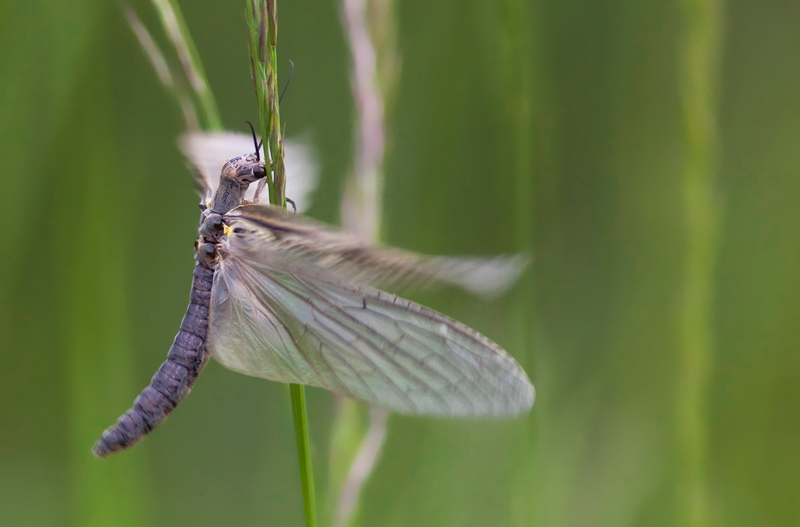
[[259, 171], [215, 222]]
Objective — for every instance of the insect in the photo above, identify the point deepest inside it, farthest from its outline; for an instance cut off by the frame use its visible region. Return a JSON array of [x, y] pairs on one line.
[[279, 296]]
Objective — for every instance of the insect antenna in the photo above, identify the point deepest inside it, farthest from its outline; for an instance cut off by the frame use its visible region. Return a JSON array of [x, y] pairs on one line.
[[288, 80], [255, 141]]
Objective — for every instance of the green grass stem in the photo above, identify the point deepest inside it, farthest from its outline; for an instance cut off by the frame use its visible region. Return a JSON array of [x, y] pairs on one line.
[[262, 21], [300, 415]]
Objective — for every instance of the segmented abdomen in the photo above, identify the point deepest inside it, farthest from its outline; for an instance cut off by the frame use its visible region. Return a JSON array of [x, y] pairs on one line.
[[173, 381]]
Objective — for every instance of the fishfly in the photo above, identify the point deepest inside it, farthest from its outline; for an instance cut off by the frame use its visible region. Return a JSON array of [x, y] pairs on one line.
[[279, 296]]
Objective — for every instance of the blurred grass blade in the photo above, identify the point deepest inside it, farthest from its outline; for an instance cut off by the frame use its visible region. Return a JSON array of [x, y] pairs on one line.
[[362, 200], [159, 62], [362, 465], [93, 306], [175, 27], [521, 99], [371, 30], [699, 69]]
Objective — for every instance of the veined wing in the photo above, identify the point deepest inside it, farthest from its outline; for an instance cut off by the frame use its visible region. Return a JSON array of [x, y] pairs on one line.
[[292, 325], [277, 235], [208, 151]]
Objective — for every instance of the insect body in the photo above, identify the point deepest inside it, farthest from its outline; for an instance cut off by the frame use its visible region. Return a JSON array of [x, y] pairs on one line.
[[281, 297]]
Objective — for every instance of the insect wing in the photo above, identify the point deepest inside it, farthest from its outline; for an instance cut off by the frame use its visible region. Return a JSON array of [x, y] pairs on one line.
[[297, 326], [295, 239]]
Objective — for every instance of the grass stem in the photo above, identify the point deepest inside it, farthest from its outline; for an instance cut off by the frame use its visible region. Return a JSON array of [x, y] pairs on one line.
[[304, 452], [262, 20]]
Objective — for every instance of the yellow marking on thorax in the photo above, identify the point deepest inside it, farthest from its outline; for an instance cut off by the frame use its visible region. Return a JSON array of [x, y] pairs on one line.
[[226, 230]]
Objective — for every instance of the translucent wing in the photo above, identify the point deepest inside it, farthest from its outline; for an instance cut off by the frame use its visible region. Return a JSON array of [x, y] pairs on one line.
[[295, 240], [208, 151], [300, 324]]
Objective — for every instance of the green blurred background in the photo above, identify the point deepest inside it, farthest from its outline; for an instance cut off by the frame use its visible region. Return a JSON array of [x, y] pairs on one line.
[[645, 152]]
